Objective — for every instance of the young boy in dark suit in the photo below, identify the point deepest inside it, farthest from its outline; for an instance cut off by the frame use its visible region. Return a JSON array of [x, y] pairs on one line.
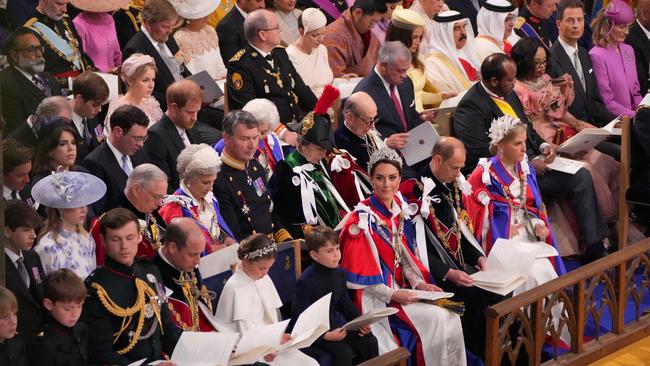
[[319, 279], [23, 267], [12, 347], [64, 339]]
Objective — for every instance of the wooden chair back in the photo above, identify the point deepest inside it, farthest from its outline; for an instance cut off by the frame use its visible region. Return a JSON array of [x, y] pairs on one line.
[[397, 357]]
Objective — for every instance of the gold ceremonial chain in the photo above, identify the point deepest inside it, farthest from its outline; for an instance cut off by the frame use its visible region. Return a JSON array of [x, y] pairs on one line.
[[522, 200], [154, 234], [143, 290], [192, 295], [276, 75], [454, 229], [394, 240]]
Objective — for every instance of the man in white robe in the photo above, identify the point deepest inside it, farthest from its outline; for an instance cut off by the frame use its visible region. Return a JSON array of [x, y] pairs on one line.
[[452, 65], [495, 22]]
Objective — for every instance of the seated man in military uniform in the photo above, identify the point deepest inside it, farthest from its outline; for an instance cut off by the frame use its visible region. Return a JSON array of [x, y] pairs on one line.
[[177, 261], [241, 187], [263, 70], [64, 56], [126, 309]]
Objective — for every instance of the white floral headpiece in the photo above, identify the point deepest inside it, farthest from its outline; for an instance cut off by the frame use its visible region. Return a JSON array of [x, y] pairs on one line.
[[501, 126], [384, 153], [259, 253]]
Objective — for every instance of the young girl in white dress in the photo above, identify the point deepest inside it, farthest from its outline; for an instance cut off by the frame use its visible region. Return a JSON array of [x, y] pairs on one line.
[[63, 242], [249, 298]]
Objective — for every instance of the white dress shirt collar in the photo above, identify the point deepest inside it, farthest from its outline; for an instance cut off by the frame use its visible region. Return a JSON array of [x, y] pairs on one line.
[[6, 193], [569, 49], [78, 123], [118, 155], [155, 43], [26, 74], [387, 86], [13, 256], [243, 13]]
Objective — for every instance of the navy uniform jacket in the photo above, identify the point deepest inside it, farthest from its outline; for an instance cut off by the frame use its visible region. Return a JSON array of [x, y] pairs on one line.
[[246, 207], [60, 345], [118, 281], [250, 76]]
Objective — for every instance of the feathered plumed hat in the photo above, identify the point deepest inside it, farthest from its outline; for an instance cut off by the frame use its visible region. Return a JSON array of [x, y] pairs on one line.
[[315, 127]]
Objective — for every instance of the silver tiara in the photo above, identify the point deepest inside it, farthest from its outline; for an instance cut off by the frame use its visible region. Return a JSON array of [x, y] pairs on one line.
[[259, 253], [384, 153]]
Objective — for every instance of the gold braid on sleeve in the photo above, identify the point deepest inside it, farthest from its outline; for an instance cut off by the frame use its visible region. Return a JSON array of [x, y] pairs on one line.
[[143, 290]]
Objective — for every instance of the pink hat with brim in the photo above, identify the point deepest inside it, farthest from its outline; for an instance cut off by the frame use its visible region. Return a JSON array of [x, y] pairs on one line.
[[619, 13], [100, 6]]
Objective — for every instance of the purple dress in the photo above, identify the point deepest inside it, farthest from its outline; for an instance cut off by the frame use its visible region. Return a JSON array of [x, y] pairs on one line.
[[615, 72]]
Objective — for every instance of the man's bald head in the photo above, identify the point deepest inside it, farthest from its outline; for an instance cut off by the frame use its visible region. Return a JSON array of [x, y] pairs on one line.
[[446, 147], [643, 12], [360, 112], [184, 243], [181, 230], [448, 159]]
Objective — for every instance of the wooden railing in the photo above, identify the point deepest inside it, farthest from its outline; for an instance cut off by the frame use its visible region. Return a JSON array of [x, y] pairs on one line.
[[519, 327]]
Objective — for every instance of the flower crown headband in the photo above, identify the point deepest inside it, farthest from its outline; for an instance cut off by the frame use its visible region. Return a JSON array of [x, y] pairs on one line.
[[501, 126], [259, 253]]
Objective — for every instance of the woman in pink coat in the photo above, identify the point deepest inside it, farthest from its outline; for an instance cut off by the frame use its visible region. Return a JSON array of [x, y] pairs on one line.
[[613, 61]]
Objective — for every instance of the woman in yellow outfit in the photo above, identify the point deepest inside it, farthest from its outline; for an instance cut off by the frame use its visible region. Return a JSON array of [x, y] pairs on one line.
[[407, 26]]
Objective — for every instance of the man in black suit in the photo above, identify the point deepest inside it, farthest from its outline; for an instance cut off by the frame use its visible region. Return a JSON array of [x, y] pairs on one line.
[[588, 104], [15, 170], [468, 8], [154, 39], [263, 70], [49, 108], [392, 91], [89, 92], [568, 57], [639, 39], [357, 134], [24, 271], [169, 136], [494, 97], [231, 28], [24, 84], [115, 159]]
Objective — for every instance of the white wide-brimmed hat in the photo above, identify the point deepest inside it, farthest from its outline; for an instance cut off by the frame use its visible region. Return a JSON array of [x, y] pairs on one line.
[[194, 9], [68, 190]]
